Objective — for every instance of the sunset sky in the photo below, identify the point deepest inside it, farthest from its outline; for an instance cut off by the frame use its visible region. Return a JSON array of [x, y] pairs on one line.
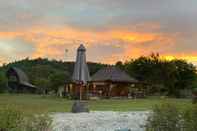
[[111, 30]]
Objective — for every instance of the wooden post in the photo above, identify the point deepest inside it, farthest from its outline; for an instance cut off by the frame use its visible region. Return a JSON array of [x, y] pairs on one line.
[[71, 89], [94, 89], [110, 88]]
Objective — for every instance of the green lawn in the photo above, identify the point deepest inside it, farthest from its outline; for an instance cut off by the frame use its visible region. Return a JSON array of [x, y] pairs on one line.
[[31, 104]]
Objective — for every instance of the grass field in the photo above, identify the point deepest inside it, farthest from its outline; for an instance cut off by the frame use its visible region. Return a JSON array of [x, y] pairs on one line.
[[32, 104]]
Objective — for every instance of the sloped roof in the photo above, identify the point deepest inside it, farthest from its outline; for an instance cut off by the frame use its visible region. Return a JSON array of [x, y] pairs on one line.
[[114, 74], [21, 76]]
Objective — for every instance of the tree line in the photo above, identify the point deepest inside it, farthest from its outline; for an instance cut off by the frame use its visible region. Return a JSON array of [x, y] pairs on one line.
[[166, 77]]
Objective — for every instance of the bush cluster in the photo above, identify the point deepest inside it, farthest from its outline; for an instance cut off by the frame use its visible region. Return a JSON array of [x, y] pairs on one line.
[[12, 119], [167, 117]]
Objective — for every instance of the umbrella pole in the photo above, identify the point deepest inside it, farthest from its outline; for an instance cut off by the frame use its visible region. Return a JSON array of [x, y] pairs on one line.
[[80, 92]]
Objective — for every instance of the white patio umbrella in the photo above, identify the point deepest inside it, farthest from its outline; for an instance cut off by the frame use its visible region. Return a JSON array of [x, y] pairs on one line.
[[81, 72]]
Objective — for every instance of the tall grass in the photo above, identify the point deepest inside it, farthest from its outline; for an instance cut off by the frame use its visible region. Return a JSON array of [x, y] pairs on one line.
[[167, 117], [12, 119]]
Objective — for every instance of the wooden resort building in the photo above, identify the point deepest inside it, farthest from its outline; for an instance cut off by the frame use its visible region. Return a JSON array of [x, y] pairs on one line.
[[111, 82], [18, 81], [106, 83]]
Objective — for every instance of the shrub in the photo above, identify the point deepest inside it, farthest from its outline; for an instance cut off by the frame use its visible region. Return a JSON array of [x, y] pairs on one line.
[[12, 119], [38, 123], [165, 117], [190, 118]]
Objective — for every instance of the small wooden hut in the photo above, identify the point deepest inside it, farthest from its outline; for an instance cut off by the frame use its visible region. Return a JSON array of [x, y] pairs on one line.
[[111, 82], [18, 81]]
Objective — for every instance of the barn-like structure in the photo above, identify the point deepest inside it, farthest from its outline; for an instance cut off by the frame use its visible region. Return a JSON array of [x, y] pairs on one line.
[[18, 81], [111, 82]]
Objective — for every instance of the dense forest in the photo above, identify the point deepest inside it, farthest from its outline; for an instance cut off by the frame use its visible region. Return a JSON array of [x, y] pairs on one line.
[[165, 77]]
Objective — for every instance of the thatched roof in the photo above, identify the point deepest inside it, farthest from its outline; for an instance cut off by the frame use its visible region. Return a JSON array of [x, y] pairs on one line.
[[113, 74], [21, 76]]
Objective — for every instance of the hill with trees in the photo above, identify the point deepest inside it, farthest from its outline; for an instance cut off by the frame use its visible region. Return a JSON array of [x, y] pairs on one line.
[[166, 77], [44, 73]]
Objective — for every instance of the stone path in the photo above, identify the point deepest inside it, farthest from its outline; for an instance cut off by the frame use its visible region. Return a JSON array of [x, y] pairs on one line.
[[100, 121]]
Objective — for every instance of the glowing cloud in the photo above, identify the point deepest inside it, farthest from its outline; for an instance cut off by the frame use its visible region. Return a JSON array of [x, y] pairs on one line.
[[119, 44]]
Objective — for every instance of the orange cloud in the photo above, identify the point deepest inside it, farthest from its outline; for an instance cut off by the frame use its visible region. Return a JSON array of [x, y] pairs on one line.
[[51, 42], [134, 36]]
